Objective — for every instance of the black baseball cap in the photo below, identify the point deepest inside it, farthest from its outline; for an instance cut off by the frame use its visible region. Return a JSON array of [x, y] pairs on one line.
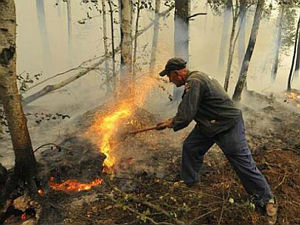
[[173, 64]]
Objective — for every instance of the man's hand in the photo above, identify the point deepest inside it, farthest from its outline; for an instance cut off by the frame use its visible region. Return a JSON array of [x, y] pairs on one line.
[[166, 124]]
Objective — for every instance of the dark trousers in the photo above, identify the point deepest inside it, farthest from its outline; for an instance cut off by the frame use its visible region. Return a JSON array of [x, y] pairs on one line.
[[235, 147]]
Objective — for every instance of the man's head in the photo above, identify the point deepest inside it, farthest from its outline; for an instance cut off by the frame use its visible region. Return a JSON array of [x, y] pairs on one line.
[[176, 71]]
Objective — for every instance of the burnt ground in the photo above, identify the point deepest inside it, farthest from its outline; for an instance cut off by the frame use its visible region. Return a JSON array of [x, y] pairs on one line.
[[146, 187]]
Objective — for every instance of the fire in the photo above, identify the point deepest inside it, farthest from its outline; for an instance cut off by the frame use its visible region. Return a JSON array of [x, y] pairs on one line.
[[23, 216], [105, 128], [74, 185], [41, 192], [292, 96]]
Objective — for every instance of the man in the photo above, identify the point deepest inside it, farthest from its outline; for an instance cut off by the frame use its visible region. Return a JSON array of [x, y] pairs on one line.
[[218, 121]]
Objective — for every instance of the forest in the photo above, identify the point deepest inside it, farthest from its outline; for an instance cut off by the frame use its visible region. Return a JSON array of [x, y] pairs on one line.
[[81, 100]]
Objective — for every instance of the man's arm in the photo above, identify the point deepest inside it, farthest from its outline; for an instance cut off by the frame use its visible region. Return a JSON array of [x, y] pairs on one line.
[[189, 105]]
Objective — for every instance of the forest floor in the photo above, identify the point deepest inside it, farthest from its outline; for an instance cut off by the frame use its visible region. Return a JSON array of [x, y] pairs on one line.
[[146, 188]]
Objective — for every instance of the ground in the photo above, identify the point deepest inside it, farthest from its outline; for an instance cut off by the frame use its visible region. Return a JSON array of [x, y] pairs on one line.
[[146, 188]]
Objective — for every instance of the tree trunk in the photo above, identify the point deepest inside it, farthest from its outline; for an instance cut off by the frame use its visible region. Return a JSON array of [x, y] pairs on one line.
[[289, 85], [297, 59], [114, 75], [231, 48], [227, 14], [277, 44], [25, 164], [126, 48], [181, 36], [155, 36], [69, 15], [135, 38], [242, 21], [106, 66], [40, 9], [243, 73]]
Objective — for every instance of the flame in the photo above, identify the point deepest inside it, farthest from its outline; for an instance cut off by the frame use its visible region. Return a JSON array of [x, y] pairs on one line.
[[23, 216], [105, 128], [74, 185], [292, 95], [41, 192]]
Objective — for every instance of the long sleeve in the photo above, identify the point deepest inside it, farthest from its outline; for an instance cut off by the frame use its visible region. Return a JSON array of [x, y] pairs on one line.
[[189, 105]]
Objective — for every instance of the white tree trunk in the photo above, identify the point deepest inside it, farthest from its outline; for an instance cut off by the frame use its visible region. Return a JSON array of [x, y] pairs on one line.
[[225, 32], [277, 44], [244, 70], [126, 45], [181, 36], [107, 71], [24, 158], [155, 36]]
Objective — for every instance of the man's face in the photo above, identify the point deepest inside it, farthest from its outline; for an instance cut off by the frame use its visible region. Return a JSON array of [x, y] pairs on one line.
[[176, 78]]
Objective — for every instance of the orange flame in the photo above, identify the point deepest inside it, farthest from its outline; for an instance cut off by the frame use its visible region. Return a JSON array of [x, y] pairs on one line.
[[74, 185], [105, 128], [23, 216], [292, 95]]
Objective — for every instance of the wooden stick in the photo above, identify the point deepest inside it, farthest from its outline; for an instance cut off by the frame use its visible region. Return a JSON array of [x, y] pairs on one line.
[[142, 130]]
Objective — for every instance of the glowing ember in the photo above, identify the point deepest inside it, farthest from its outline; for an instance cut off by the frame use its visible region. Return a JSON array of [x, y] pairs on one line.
[[74, 185], [292, 96], [41, 192], [23, 216]]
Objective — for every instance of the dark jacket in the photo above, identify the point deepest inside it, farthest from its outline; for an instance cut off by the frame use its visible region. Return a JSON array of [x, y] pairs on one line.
[[205, 101]]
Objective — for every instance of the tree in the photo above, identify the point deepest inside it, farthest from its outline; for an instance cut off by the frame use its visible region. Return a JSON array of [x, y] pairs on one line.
[[243, 73], [126, 46], [227, 14], [181, 35], [235, 16], [114, 78], [69, 15], [105, 44], [138, 9], [155, 35], [297, 60], [40, 10], [242, 28], [277, 42], [25, 163], [289, 86]]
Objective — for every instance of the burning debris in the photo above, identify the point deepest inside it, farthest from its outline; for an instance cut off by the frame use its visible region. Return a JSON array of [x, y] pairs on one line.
[[74, 185], [22, 210], [293, 96]]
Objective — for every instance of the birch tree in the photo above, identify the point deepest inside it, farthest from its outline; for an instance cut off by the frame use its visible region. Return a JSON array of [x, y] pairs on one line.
[[296, 75], [40, 10], [181, 35], [242, 28], [225, 30], [113, 55], [25, 163], [126, 46], [289, 84], [105, 44], [244, 70], [155, 35], [235, 16], [69, 16], [274, 68]]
